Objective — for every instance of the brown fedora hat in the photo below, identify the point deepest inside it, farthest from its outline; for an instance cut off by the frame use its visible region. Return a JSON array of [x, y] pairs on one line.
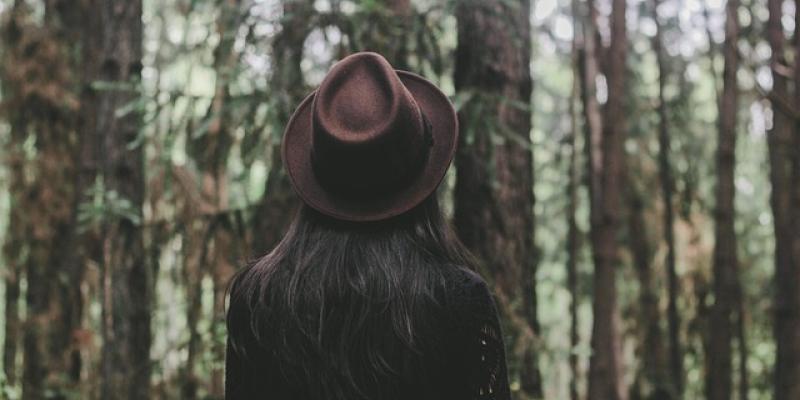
[[371, 142]]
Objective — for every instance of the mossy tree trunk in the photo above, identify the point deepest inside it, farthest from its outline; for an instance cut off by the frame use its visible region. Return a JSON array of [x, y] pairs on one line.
[[276, 209], [725, 266], [41, 80], [113, 52], [787, 268], [493, 204], [606, 379], [667, 195], [209, 223]]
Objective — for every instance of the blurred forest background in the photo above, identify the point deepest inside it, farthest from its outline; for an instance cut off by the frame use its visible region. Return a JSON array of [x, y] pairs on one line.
[[629, 174]]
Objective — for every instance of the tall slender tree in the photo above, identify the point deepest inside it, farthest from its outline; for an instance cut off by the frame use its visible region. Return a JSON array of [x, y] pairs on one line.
[[573, 232], [40, 78], [725, 266], [224, 254], [210, 239], [667, 189], [387, 33], [113, 50], [274, 213], [780, 142], [593, 119], [605, 366], [16, 164], [651, 380], [494, 182], [794, 274], [573, 245], [741, 338]]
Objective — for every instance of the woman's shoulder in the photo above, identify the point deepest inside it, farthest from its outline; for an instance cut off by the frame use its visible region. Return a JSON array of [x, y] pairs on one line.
[[464, 280], [468, 293]]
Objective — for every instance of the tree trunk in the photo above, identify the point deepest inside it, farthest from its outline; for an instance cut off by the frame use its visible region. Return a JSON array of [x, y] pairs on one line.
[[573, 232], [40, 78], [667, 185], [209, 238], [652, 378], [592, 115], [605, 367], [13, 253], [793, 376], [593, 122], [780, 141], [194, 267], [572, 269], [225, 254], [741, 338], [225, 262], [13, 249], [276, 210], [387, 32], [725, 287], [114, 51], [494, 186], [13, 325]]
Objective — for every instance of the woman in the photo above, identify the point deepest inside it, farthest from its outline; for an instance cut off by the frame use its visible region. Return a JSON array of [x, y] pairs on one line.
[[369, 295]]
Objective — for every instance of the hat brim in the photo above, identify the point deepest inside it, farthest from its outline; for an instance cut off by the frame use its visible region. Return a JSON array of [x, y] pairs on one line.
[[296, 153]]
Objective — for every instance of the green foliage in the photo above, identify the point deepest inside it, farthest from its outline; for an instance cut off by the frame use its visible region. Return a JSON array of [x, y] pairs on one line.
[[105, 206], [9, 392]]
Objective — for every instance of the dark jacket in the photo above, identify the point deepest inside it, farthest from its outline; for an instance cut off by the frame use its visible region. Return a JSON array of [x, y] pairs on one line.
[[473, 366]]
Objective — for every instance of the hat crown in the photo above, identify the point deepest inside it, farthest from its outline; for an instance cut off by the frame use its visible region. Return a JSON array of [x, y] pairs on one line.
[[369, 135]]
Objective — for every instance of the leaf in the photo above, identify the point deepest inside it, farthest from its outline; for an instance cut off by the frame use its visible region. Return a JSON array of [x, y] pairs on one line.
[[113, 86], [462, 98], [136, 105]]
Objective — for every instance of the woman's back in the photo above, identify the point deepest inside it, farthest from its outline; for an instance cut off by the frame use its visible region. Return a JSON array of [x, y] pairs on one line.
[[461, 356]]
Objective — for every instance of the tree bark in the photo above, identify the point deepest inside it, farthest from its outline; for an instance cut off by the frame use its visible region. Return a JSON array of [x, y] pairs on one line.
[[225, 256], [573, 232], [494, 187], [194, 259], [114, 53], [387, 31], [794, 274], [741, 338], [667, 189], [725, 266], [592, 114], [276, 209], [13, 254], [209, 248], [605, 366], [572, 268], [39, 76], [652, 379], [13, 324], [16, 235], [787, 300]]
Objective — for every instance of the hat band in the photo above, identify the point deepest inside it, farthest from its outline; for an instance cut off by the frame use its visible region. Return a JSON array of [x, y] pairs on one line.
[[372, 176]]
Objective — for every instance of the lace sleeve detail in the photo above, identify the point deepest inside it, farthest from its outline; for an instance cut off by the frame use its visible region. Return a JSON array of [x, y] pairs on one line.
[[483, 349], [492, 361]]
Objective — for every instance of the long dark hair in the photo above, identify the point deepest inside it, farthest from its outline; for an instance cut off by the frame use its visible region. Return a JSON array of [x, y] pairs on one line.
[[339, 304]]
